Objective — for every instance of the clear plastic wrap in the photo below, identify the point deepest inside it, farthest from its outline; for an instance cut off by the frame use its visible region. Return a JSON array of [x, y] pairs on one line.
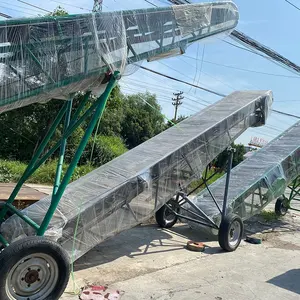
[[129, 189], [51, 57], [258, 180]]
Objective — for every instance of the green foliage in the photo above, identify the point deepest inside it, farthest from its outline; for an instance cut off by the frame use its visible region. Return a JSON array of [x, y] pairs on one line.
[[221, 161], [172, 122], [269, 216], [59, 12], [238, 156], [81, 171], [128, 119], [11, 171], [105, 148], [114, 114], [5, 175], [143, 119], [196, 183]]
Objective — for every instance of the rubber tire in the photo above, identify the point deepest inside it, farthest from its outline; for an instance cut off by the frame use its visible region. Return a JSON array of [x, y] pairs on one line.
[[279, 207], [224, 232], [24, 247], [162, 221]]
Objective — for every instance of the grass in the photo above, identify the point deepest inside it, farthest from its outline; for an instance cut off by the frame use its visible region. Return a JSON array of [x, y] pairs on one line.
[[269, 216], [11, 171], [196, 183]]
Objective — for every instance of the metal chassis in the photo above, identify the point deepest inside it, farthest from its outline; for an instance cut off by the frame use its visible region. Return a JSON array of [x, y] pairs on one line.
[[200, 217], [71, 123], [294, 195]]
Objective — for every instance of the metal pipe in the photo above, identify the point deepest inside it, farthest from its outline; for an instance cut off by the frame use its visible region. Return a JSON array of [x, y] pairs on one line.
[[33, 161], [62, 147], [23, 217], [98, 113], [197, 209], [229, 166]]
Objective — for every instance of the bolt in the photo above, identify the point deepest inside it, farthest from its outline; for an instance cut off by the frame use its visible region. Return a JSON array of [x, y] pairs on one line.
[[38, 279], [29, 269], [38, 270], [23, 279], [28, 285]]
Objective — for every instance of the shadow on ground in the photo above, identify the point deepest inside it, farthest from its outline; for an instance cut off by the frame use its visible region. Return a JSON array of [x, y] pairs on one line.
[[288, 280], [139, 240], [258, 224]]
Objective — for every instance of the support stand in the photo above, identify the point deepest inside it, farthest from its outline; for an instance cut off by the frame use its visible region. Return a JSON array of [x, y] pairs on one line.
[[230, 227], [71, 123]]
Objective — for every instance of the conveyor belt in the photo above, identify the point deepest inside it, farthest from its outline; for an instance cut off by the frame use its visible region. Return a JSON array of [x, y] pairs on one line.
[[129, 189], [258, 180], [51, 57]]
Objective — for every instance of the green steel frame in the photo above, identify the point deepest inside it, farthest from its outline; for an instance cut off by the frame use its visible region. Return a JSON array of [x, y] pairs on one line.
[[294, 195], [71, 123], [32, 50]]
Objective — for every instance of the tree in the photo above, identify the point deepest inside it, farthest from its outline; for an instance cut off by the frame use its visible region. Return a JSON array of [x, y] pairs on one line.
[[105, 148], [143, 119], [221, 160], [58, 12], [125, 118], [114, 114], [172, 122]]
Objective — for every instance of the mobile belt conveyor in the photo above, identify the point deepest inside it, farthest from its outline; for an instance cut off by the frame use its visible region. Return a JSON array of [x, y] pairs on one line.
[[54, 57], [130, 188], [249, 188]]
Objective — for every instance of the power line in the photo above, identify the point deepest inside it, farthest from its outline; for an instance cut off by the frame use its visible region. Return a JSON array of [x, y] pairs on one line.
[[23, 12], [151, 3], [20, 6], [177, 71], [215, 78], [27, 3], [163, 88], [242, 69], [208, 90], [163, 96], [286, 114], [271, 54], [64, 3], [288, 101], [292, 4], [182, 81]]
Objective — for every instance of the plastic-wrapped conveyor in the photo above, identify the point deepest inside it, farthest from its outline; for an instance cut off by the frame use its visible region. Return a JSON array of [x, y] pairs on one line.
[[258, 180], [51, 57], [129, 189]]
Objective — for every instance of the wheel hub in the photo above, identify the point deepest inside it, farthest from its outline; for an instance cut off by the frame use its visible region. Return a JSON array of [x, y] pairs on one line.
[[234, 233], [32, 276]]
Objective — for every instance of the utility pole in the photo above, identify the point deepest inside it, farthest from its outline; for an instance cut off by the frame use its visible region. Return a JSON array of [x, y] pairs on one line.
[[177, 102], [97, 6]]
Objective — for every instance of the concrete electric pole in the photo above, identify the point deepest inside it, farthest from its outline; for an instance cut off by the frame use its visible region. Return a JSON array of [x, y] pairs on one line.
[[177, 102]]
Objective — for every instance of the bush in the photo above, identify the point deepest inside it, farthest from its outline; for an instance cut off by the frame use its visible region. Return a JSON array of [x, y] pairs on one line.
[[196, 183], [105, 149], [11, 171]]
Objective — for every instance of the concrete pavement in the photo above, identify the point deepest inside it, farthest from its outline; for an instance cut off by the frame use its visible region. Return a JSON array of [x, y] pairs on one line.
[[149, 263]]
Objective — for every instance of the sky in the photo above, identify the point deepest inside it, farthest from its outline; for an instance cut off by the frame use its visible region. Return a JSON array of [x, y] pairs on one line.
[[212, 63]]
